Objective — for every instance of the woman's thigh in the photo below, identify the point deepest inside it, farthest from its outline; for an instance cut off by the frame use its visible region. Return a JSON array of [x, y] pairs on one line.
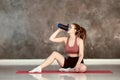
[[60, 58]]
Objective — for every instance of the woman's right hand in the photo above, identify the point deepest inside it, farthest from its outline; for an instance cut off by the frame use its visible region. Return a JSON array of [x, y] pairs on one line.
[[57, 39]]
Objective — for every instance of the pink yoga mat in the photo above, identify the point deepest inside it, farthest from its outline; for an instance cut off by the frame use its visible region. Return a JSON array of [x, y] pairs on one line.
[[59, 72]]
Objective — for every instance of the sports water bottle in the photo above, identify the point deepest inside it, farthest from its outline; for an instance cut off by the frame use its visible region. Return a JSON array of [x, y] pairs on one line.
[[64, 27]]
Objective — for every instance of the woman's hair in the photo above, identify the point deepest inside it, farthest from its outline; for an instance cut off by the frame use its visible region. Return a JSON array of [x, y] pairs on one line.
[[80, 31]]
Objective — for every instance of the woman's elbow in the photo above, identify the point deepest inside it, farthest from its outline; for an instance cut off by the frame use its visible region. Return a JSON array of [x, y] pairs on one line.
[[81, 56], [51, 39]]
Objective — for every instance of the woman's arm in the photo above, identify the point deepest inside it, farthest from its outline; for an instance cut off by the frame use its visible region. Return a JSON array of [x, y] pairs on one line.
[[54, 39], [81, 50], [81, 54]]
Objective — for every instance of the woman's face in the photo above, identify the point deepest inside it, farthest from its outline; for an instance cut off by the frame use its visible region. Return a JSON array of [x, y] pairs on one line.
[[71, 29]]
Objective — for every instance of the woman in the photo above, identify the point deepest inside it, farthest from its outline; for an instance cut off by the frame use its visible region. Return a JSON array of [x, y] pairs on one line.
[[74, 45]]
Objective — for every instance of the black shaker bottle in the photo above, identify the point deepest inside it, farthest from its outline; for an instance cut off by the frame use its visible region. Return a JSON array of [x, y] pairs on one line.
[[62, 26]]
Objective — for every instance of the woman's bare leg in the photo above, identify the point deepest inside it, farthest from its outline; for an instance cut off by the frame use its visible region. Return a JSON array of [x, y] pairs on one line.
[[54, 56], [83, 68]]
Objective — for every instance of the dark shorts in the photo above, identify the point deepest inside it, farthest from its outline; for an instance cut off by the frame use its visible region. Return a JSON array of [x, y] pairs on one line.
[[70, 62]]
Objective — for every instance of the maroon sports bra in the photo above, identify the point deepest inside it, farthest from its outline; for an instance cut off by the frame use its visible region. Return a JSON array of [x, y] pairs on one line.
[[73, 49]]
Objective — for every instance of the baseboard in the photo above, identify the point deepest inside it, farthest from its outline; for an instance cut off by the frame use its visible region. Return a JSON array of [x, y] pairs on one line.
[[39, 61]]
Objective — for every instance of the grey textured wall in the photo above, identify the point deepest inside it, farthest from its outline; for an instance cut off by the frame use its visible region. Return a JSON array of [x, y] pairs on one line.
[[26, 25]]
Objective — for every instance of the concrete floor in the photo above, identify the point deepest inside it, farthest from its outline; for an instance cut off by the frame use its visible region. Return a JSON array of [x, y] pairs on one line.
[[9, 73]]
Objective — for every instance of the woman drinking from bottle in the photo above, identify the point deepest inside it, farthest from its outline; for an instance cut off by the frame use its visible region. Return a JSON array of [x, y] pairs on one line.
[[74, 46]]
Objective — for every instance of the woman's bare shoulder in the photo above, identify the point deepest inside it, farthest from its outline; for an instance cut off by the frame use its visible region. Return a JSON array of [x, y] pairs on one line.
[[79, 40]]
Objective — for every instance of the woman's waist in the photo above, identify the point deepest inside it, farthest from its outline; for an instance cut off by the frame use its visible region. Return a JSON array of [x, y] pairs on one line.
[[73, 55]]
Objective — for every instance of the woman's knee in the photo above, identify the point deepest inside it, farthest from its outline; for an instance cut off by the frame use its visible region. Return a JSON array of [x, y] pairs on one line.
[[58, 57], [55, 53], [83, 68]]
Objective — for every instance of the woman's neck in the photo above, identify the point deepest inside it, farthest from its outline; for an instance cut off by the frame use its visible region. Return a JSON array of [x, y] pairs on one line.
[[72, 36]]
